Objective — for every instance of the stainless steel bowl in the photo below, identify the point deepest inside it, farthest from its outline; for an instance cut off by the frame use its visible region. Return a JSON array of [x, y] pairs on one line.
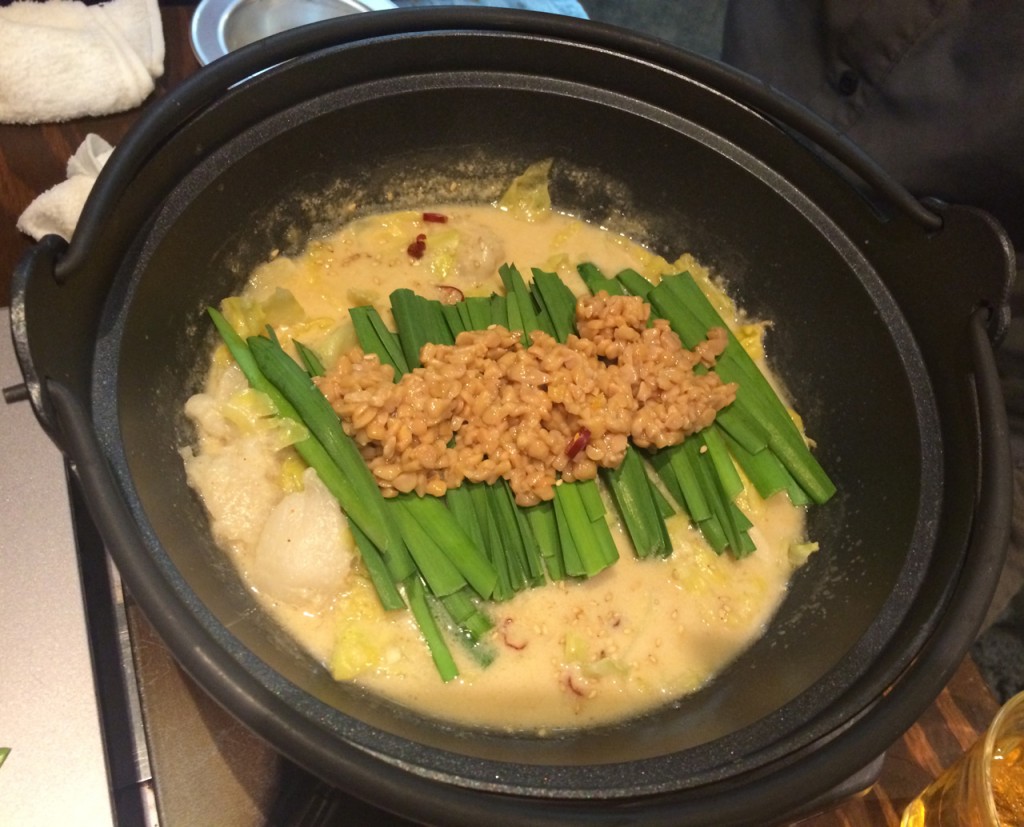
[[222, 26]]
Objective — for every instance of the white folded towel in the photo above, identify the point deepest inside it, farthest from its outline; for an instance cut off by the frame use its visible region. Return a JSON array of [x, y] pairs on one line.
[[57, 210], [62, 59]]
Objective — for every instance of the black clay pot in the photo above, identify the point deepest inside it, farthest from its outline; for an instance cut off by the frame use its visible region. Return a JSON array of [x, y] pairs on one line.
[[887, 311]]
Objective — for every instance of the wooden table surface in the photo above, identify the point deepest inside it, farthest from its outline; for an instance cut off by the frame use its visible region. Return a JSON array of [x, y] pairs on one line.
[[34, 158]]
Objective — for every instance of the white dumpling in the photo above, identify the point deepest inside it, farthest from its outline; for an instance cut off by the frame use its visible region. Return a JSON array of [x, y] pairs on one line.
[[305, 550], [238, 485]]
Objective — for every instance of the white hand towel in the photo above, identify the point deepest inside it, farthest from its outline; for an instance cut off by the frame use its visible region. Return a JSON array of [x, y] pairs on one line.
[[57, 210], [62, 59]]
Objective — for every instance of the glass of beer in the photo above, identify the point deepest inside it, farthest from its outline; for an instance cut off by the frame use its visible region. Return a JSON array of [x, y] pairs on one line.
[[985, 787]]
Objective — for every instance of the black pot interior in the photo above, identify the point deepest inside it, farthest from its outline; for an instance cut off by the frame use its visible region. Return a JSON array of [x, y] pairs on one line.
[[840, 343]]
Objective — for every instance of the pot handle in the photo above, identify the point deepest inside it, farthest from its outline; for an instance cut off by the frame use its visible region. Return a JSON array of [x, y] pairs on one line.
[[46, 356]]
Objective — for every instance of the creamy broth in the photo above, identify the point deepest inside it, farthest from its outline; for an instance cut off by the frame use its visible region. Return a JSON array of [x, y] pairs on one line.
[[638, 635]]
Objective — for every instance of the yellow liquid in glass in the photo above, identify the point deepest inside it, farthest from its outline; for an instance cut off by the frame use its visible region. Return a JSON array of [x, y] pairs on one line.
[[957, 797], [1007, 772]]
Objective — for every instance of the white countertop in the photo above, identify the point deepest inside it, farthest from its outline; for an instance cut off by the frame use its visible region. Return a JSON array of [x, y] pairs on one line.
[[56, 771]]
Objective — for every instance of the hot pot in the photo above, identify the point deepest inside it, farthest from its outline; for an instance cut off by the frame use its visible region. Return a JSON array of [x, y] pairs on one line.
[[887, 307]]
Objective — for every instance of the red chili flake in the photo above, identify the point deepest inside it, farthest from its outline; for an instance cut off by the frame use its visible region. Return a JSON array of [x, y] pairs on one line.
[[508, 634], [419, 246], [435, 217], [450, 294], [570, 680], [578, 443]]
